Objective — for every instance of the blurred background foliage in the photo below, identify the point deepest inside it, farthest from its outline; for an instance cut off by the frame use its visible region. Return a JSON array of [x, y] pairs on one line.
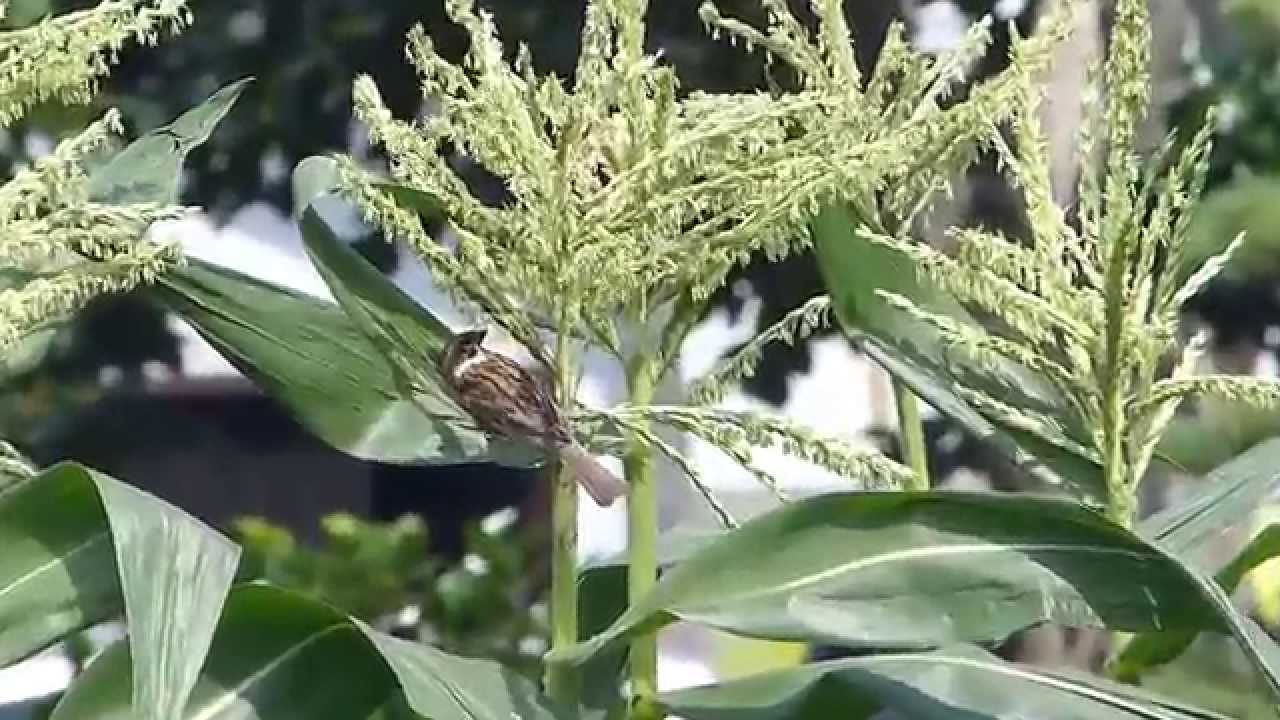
[[482, 604], [1242, 78]]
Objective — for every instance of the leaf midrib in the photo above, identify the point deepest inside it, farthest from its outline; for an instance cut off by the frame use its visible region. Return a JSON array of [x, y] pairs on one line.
[[230, 695], [922, 553], [86, 544]]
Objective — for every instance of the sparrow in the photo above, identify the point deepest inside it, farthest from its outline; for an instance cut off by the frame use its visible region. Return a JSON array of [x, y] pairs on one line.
[[507, 401]]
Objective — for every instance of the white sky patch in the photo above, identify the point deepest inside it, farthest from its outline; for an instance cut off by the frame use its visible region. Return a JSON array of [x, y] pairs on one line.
[[938, 26], [1009, 9], [676, 672], [44, 674]]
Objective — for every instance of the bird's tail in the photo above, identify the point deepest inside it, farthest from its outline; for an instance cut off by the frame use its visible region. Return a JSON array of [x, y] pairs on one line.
[[603, 486]]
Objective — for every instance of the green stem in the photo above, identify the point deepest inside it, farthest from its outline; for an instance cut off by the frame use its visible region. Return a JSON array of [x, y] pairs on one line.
[[642, 542], [561, 679], [1120, 500], [1119, 480], [911, 434]]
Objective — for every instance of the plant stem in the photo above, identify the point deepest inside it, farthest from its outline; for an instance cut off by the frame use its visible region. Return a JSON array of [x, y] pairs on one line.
[[1116, 472], [911, 435], [561, 679], [1120, 500], [642, 541]]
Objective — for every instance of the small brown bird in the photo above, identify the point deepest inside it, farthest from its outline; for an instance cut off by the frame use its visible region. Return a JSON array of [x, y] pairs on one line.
[[506, 400]]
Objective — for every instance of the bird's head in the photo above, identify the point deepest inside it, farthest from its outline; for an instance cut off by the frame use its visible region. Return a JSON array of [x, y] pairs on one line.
[[461, 348]]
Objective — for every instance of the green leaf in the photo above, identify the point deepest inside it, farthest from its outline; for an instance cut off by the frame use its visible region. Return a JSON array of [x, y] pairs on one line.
[[407, 334], [1220, 501], [280, 655], [854, 269], [313, 178], [147, 171], [919, 570], [961, 682], [68, 531], [409, 337], [308, 355], [1149, 650], [175, 572], [602, 597], [403, 332], [318, 175], [1040, 460], [1193, 530], [275, 655], [58, 569], [602, 583], [447, 687], [915, 570]]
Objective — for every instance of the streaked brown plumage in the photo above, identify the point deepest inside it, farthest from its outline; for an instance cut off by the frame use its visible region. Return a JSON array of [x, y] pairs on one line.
[[506, 400]]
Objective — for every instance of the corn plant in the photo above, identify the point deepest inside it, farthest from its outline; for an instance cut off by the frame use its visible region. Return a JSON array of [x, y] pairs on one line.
[[630, 200]]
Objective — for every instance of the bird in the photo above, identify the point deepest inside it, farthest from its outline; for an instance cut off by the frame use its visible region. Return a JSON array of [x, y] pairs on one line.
[[507, 401]]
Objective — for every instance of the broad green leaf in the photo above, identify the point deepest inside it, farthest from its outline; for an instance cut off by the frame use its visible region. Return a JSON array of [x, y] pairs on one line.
[[1045, 463], [1195, 530], [960, 682], [275, 655], [854, 269], [919, 570], [175, 572], [448, 687], [309, 356], [406, 335], [1258, 647], [602, 583], [58, 569], [313, 178], [148, 170], [1149, 650], [318, 175], [69, 531], [602, 597], [1221, 501], [279, 655]]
